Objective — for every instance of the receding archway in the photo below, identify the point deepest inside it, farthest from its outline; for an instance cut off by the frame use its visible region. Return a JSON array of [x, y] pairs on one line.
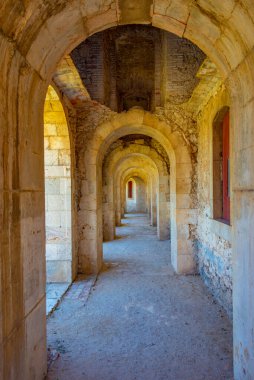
[[23, 80]]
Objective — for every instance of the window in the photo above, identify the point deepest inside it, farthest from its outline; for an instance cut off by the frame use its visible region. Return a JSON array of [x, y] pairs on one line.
[[221, 166], [130, 189]]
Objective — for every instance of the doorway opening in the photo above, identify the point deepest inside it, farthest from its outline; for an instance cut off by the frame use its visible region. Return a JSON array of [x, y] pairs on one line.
[[57, 163]]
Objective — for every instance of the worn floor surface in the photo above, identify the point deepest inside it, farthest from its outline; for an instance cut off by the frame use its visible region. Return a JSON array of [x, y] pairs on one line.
[[54, 294], [140, 321]]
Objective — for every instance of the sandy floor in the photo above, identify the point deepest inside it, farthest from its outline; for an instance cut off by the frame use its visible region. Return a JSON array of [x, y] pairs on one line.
[[140, 320]]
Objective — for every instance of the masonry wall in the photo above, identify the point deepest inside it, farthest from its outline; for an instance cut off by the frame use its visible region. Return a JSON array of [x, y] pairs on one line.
[[138, 203], [57, 191], [214, 237]]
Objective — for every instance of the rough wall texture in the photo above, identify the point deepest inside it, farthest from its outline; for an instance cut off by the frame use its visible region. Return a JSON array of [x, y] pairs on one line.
[[214, 237], [138, 66]]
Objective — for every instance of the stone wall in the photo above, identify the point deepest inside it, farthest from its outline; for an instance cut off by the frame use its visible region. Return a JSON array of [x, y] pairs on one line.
[[138, 203], [214, 237], [57, 191]]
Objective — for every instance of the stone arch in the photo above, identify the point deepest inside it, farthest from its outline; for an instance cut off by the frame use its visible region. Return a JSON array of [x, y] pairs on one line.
[[159, 198], [134, 162], [115, 198], [112, 165], [32, 42], [139, 201], [183, 212], [142, 179], [138, 172]]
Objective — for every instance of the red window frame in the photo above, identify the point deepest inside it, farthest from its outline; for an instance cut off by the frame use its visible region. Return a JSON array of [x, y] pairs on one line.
[[226, 168], [130, 189]]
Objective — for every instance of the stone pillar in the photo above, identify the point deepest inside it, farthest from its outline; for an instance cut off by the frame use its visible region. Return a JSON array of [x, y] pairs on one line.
[[242, 215], [163, 209], [153, 206], [108, 213], [183, 220]]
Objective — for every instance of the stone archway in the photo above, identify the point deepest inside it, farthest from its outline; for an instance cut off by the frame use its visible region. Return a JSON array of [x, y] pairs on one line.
[[33, 41], [110, 173], [183, 212], [126, 176], [143, 196], [151, 183], [157, 177], [114, 193]]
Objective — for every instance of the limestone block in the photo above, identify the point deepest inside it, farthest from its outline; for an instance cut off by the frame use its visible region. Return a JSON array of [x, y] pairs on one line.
[[59, 271], [59, 142], [232, 47], [88, 217], [245, 138], [66, 220], [183, 185], [198, 18], [51, 157], [52, 186], [50, 129], [174, 9], [62, 130], [183, 170], [39, 50], [220, 9], [36, 347], [33, 247], [54, 118], [59, 251], [31, 170], [186, 216], [186, 264], [244, 175], [59, 202], [50, 49], [90, 156], [64, 157], [92, 175], [90, 8], [53, 218], [243, 23], [183, 201], [243, 77], [98, 23], [135, 13], [183, 231], [46, 142], [243, 282], [134, 116], [55, 171], [65, 186], [220, 229], [182, 155]]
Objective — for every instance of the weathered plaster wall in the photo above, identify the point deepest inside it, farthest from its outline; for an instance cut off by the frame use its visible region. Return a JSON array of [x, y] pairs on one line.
[[57, 191], [214, 237]]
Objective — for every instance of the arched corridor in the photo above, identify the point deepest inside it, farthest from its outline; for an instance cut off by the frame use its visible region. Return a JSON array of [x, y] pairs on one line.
[[96, 94], [140, 320]]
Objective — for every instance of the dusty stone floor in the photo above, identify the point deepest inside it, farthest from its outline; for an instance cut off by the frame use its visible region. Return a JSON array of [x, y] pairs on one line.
[[140, 320], [54, 294]]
